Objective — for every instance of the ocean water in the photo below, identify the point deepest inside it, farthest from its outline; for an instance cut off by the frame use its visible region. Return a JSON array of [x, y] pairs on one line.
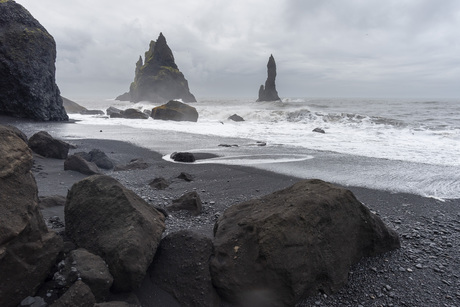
[[399, 145]]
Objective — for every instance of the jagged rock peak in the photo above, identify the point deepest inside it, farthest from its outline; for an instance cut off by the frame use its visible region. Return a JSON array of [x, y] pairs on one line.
[[27, 67], [158, 78], [269, 93]]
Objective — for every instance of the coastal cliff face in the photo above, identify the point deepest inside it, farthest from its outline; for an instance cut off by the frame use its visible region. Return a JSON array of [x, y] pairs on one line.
[[27, 67], [269, 93], [159, 78]]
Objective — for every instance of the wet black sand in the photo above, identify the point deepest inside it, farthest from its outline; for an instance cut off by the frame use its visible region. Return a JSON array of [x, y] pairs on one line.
[[424, 272]]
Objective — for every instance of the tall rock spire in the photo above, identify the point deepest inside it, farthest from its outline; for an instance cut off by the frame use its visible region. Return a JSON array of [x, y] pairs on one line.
[[158, 78], [269, 93]]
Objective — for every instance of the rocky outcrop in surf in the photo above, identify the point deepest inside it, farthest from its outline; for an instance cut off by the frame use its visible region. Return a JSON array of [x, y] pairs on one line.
[[269, 93], [158, 79], [27, 71]]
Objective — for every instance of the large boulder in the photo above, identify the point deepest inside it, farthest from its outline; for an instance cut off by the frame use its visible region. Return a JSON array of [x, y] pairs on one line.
[[98, 157], [78, 164], [294, 242], [181, 267], [269, 93], [158, 79], [27, 249], [107, 219], [47, 146], [27, 71], [176, 111]]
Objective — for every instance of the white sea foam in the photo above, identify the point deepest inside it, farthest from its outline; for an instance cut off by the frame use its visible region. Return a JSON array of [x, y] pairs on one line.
[[416, 143], [292, 124]]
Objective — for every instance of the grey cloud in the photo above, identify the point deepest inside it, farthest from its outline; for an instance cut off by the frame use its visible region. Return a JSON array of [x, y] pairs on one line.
[[322, 48]]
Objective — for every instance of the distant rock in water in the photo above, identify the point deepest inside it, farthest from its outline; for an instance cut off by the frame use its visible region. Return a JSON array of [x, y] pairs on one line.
[[269, 93], [71, 107], [175, 110], [236, 118], [158, 79], [27, 67]]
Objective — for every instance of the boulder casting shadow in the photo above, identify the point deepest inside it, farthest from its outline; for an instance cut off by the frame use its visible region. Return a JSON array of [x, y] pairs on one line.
[[294, 242]]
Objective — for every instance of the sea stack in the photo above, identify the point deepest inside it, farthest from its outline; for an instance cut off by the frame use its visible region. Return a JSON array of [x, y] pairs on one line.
[[269, 93], [27, 67], [158, 79]]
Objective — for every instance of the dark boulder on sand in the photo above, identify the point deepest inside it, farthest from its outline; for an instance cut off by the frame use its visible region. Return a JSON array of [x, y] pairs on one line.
[[98, 157], [44, 144], [176, 111], [294, 242], [28, 250], [107, 219], [181, 267], [78, 164], [190, 201], [27, 67], [158, 79], [269, 93], [185, 176], [159, 183], [187, 157]]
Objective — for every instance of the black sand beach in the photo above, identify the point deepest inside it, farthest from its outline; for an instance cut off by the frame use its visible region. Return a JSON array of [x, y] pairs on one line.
[[424, 272]]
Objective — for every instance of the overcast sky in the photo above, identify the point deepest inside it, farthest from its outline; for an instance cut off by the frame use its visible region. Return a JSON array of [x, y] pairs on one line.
[[334, 48]]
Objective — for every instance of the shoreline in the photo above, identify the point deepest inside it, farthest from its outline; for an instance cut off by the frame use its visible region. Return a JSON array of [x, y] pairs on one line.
[[424, 272], [346, 170]]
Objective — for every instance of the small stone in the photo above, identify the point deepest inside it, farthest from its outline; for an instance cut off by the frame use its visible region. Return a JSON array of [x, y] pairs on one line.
[[409, 270], [446, 282], [419, 266]]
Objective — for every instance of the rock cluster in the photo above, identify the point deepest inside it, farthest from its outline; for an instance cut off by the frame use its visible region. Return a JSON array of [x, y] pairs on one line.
[[158, 79], [27, 67], [28, 250], [107, 219], [269, 251], [269, 93]]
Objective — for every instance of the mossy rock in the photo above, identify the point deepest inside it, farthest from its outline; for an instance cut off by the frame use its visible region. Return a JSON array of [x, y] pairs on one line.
[[176, 111]]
